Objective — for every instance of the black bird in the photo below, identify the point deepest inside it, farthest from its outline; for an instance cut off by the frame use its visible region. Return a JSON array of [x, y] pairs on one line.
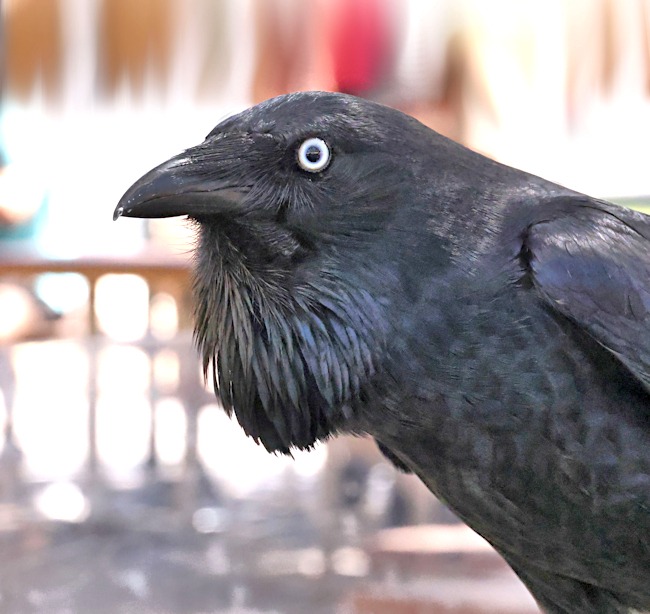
[[356, 271]]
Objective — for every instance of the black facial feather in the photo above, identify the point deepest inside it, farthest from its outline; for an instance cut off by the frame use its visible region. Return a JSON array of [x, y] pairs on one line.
[[288, 357], [489, 328]]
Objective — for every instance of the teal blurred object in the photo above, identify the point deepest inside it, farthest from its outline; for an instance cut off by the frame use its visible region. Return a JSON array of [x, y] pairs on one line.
[[20, 188], [26, 230]]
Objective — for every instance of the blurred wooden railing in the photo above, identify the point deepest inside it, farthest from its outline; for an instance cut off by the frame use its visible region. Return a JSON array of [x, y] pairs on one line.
[[162, 270]]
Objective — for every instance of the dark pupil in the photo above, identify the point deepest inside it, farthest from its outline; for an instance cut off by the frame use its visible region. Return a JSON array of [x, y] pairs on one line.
[[313, 153]]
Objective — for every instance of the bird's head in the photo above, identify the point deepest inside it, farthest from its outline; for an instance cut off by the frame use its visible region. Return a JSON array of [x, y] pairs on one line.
[[301, 206]]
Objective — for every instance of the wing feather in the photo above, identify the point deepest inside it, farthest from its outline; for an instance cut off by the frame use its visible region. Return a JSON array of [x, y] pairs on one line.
[[592, 264]]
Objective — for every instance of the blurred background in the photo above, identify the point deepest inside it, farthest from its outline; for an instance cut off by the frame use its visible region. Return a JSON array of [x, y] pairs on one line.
[[123, 486]]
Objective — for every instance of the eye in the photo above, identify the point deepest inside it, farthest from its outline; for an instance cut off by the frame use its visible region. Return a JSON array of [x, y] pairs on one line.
[[314, 155]]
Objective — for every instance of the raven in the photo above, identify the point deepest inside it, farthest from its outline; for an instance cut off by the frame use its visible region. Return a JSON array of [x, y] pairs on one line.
[[357, 272]]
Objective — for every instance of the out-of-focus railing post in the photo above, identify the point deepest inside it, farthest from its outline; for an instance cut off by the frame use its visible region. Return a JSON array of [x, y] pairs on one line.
[[11, 456], [193, 399], [93, 342]]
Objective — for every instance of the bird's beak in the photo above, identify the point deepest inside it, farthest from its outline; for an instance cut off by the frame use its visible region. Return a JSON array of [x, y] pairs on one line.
[[187, 184]]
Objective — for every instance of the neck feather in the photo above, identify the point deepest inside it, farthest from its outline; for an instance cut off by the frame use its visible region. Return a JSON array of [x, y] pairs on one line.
[[291, 368]]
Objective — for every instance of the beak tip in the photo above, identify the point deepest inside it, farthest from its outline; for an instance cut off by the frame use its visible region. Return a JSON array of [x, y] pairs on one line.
[[119, 210]]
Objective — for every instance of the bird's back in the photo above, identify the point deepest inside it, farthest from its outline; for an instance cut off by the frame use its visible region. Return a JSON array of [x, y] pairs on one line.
[[532, 432]]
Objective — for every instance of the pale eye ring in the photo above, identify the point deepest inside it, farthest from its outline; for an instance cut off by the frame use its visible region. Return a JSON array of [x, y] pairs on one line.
[[314, 155]]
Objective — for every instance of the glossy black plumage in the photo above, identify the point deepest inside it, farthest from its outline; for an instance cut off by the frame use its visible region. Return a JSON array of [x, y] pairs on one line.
[[490, 329]]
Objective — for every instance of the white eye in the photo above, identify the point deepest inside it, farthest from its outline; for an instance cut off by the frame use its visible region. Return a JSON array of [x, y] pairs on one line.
[[314, 155]]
